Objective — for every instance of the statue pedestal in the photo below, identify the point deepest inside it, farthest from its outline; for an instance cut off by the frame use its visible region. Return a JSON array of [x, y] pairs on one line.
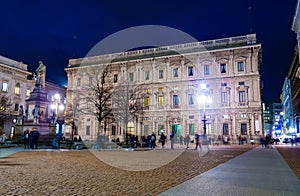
[[46, 131]]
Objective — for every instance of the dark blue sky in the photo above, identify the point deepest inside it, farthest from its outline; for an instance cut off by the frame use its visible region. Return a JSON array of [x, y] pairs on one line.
[[55, 31]]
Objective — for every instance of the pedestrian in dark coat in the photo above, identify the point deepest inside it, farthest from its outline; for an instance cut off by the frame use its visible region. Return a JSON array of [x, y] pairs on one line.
[[25, 138], [162, 139], [187, 140]]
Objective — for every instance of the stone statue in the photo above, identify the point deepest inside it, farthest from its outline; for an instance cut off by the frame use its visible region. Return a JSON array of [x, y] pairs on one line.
[[41, 74], [21, 113], [36, 114]]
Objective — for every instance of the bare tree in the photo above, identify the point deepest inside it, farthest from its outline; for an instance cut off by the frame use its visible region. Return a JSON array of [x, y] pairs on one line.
[[126, 105], [101, 97], [92, 99], [5, 106]]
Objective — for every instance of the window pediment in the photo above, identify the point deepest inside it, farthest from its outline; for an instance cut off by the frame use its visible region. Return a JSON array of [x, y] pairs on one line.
[[240, 58], [222, 60]]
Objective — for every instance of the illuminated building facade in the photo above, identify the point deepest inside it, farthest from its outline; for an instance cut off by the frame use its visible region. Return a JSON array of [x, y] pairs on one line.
[[170, 80]]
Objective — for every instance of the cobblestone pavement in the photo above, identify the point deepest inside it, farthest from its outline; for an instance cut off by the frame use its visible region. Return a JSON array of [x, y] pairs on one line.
[[82, 173], [291, 154]]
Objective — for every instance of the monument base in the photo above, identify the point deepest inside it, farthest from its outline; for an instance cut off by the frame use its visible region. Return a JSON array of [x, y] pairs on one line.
[[46, 133]]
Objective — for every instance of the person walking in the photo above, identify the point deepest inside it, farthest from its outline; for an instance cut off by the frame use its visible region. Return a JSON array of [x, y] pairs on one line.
[[162, 140], [98, 141], [172, 136], [26, 139], [187, 140], [152, 140], [197, 137], [181, 140]]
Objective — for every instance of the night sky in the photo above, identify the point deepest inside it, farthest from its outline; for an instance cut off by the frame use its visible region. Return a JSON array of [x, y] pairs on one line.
[[56, 31]]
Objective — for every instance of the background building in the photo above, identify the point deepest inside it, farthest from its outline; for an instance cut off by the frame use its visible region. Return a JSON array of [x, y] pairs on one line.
[[294, 72], [16, 88], [267, 119], [277, 115], [180, 86], [17, 84]]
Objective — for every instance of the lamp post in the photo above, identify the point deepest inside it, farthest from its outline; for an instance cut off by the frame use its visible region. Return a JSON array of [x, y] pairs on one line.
[[57, 108], [204, 98]]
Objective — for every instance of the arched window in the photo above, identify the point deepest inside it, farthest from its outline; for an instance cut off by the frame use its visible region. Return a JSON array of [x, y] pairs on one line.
[[17, 89]]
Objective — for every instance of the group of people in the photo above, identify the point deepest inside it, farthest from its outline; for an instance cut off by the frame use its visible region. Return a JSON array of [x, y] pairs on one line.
[[183, 140], [30, 139]]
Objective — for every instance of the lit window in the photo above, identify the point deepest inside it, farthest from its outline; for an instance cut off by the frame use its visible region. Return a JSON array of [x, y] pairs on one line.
[[160, 89], [175, 72], [161, 74], [243, 116], [223, 68], [146, 101], [206, 69], [160, 100], [17, 89], [190, 71], [4, 86], [190, 87], [240, 66], [147, 90], [28, 92]]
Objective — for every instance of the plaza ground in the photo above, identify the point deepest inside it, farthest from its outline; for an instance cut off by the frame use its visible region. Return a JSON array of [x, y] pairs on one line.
[[115, 172]]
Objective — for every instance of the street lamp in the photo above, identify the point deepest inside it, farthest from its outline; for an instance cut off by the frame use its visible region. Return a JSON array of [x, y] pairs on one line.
[[204, 99], [57, 107]]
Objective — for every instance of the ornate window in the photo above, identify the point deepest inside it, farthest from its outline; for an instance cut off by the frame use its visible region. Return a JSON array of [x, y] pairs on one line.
[[175, 72], [4, 86], [223, 68], [175, 101], [190, 71], [191, 129], [206, 69], [224, 98], [146, 101], [243, 128], [115, 78], [17, 89], [240, 66], [147, 75], [160, 74], [191, 99], [225, 129], [27, 92], [131, 77], [242, 96], [161, 100]]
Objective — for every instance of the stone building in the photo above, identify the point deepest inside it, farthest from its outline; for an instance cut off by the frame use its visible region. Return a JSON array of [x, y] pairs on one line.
[[17, 84], [16, 87], [294, 72], [180, 87]]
